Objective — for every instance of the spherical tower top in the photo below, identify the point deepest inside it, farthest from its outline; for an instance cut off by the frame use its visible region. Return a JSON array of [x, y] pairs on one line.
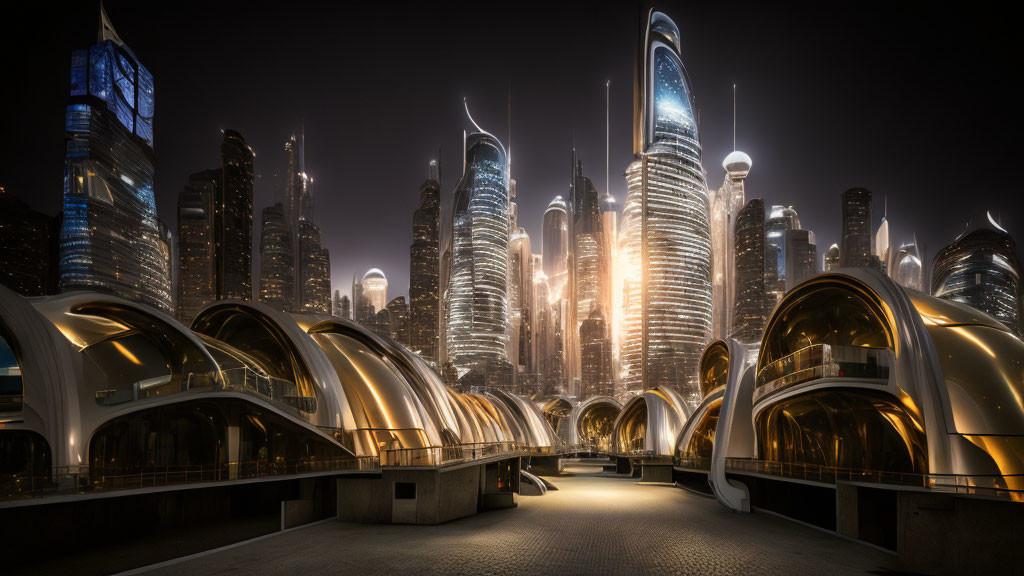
[[374, 274], [737, 163]]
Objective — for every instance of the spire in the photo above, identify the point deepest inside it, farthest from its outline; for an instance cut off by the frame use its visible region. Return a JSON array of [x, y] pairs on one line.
[[106, 31], [734, 117], [607, 134]]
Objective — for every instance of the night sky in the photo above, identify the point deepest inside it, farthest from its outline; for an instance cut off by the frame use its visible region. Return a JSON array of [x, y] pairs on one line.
[[914, 103]]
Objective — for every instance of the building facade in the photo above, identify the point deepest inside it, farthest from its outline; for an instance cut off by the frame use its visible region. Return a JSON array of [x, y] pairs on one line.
[[28, 248], [665, 224], [425, 269], [277, 264], [750, 311], [476, 296], [830, 260], [314, 270], [233, 218], [398, 316], [726, 203], [980, 269], [196, 254], [109, 239], [855, 244], [801, 257], [555, 237]]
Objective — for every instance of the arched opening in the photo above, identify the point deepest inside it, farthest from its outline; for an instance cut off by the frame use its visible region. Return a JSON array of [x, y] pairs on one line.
[[253, 339], [842, 428], [11, 386], [555, 411], [714, 368], [130, 354], [632, 429], [595, 425], [828, 328], [25, 462], [204, 439], [697, 452]]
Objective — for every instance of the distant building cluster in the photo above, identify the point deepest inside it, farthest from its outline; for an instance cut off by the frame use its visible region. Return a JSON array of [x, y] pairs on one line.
[[593, 308]]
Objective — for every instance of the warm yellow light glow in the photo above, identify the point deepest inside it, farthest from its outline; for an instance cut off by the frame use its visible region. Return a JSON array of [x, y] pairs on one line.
[[126, 353], [963, 332]]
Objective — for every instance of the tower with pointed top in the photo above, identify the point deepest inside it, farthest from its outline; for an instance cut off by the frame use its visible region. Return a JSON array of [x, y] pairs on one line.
[[110, 238], [476, 298], [666, 236]]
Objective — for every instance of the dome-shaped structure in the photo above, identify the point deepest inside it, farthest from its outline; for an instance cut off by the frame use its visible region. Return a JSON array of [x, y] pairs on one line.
[[737, 163], [650, 422], [857, 372], [374, 274], [557, 203]]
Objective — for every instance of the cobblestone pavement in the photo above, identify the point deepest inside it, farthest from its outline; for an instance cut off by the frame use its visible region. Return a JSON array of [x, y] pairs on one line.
[[595, 524]]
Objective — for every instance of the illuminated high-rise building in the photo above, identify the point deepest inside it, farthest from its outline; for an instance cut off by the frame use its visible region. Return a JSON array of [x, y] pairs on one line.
[[374, 289], [980, 268], [906, 266], [336, 304], [666, 235], [881, 249], [831, 259], [780, 220], [555, 237], [277, 264], [196, 255], [587, 245], [726, 203], [801, 257], [749, 311], [345, 307], [398, 316], [425, 269], [595, 357], [109, 238], [520, 298], [233, 219], [314, 270], [476, 296], [855, 243]]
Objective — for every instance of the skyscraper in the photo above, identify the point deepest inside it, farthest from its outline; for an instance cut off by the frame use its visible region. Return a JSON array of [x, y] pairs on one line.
[[314, 270], [726, 202], [801, 257], [750, 311], [665, 223], [555, 237], [780, 220], [587, 244], [345, 308], [595, 357], [855, 243], [28, 248], [233, 219], [374, 289], [980, 268], [425, 268], [336, 304], [110, 239], [831, 258], [906, 266], [476, 294], [196, 260], [277, 264], [520, 297], [398, 314]]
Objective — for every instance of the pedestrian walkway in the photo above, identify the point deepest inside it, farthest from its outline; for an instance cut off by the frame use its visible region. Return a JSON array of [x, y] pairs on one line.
[[595, 523]]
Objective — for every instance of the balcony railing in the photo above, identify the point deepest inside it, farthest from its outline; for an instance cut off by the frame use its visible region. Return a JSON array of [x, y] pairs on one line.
[[448, 455], [992, 486], [824, 361], [243, 379]]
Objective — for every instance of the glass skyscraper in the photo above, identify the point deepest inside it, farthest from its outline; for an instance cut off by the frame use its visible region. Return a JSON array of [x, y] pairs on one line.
[[666, 237], [277, 260], [425, 269], [196, 259], [110, 239], [233, 218], [749, 314], [726, 203], [980, 268], [855, 242], [477, 303]]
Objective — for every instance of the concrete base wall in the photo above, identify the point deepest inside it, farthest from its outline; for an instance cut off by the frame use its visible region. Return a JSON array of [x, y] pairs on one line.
[[946, 534], [441, 495], [656, 473], [546, 465]]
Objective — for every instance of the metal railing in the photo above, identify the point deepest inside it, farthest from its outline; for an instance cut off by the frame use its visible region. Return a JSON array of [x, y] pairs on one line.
[[448, 455], [83, 480], [824, 361], [995, 485]]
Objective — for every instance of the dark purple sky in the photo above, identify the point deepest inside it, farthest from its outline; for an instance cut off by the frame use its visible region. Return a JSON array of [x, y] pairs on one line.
[[912, 102]]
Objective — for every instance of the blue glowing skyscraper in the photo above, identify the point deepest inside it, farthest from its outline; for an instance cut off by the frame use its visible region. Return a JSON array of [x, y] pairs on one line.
[[476, 302], [110, 238], [666, 235]]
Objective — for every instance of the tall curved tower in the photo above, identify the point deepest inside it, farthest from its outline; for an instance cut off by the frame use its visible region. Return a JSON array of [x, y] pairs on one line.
[[666, 238], [477, 303]]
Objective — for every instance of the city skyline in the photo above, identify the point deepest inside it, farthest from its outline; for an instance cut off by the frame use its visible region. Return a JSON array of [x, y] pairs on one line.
[[782, 174]]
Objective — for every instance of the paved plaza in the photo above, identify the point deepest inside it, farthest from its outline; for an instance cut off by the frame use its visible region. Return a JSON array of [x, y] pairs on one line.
[[595, 524]]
